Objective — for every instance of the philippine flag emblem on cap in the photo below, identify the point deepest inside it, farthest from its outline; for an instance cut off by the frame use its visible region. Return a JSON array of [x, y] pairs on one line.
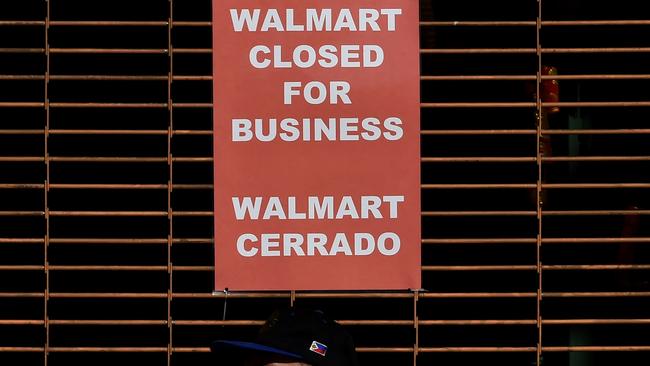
[[319, 348]]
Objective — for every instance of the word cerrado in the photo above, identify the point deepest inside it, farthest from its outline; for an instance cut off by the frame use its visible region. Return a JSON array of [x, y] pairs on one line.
[[313, 244]]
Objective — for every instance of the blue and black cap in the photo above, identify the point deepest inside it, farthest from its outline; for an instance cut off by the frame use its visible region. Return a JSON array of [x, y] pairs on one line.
[[299, 334]]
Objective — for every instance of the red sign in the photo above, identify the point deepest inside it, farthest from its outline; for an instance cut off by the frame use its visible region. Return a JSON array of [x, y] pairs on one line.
[[316, 144]]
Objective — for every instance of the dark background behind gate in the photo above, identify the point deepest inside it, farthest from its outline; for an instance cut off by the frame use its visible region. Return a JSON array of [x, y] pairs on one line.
[[528, 258]]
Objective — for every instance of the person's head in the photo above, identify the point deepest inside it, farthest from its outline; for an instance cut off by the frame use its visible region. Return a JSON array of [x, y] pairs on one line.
[[293, 337]]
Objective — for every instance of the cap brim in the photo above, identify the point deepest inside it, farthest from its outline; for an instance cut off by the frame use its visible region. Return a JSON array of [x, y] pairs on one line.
[[229, 347]]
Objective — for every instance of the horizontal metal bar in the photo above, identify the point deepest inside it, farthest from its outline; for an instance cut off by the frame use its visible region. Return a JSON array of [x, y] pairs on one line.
[[22, 213], [594, 158], [192, 105], [476, 322], [480, 105], [128, 77], [103, 268], [596, 77], [130, 51], [525, 23], [468, 51], [594, 240], [528, 23], [596, 104], [109, 213], [11, 23], [197, 268], [478, 159], [480, 186], [594, 321], [107, 105], [342, 322], [595, 212], [596, 267], [596, 294], [21, 267], [103, 186], [22, 240], [106, 322], [22, 50], [555, 23], [21, 186], [480, 268], [596, 349], [358, 349], [513, 23], [21, 349], [192, 50], [103, 23], [178, 23], [22, 77], [125, 159], [103, 51], [110, 77], [21, 294], [107, 186], [107, 295], [476, 295], [631, 131], [261, 322], [108, 132], [374, 295], [481, 241], [192, 132], [437, 241], [22, 105], [21, 322], [567, 50], [106, 268], [107, 159], [423, 77], [107, 349], [422, 132], [107, 241], [478, 132], [210, 213], [236, 323], [207, 349], [477, 213], [475, 349], [477, 77], [597, 50], [22, 132]]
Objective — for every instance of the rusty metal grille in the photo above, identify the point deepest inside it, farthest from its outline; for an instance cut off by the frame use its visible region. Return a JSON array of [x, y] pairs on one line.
[[535, 208]]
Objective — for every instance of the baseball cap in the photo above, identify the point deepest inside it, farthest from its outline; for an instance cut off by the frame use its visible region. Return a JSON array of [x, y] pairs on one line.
[[304, 335]]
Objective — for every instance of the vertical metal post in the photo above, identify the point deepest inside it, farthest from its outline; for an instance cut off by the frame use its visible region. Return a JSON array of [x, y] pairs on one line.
[[170, 217], [46, 159], [416, 325], [539, 194]]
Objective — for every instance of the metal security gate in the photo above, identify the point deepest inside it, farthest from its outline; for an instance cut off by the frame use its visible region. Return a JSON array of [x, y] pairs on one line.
[[535, 198]]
